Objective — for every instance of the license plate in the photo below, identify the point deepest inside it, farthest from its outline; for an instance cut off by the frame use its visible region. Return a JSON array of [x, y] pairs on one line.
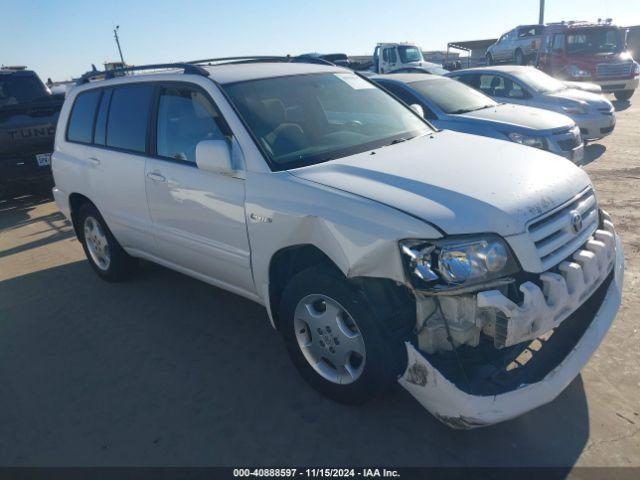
[[43, 159]]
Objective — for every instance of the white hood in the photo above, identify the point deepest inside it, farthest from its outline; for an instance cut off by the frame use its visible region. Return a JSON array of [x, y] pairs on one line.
[[458, 182]]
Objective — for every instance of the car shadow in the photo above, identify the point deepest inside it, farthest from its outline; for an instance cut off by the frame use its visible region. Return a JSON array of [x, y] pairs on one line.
[[621, 105], [14, 210], [592, 152], [167, 370]]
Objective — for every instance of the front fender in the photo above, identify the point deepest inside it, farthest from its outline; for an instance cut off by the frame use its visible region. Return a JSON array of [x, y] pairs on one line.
[[358, 235]]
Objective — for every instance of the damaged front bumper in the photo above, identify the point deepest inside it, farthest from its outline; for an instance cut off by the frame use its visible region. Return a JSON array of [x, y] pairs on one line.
[[596, 293]]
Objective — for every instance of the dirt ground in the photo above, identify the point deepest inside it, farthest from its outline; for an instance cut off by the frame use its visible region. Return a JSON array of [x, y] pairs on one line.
[[165, 370]]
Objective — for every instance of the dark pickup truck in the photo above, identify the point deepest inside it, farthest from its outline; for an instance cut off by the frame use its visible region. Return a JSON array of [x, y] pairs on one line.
[[28, 117]]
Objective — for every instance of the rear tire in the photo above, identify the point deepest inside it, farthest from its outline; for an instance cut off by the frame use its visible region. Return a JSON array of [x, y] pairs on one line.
[[489, 58], [311, 302], [519, 57], [107, 258], [624, 95]]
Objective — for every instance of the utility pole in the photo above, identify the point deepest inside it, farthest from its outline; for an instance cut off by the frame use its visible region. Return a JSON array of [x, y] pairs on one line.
[[115, 35], [541, 17]]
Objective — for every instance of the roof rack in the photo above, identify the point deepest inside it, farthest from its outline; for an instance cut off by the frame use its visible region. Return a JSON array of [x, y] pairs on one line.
[[108, 74], [259, 58]]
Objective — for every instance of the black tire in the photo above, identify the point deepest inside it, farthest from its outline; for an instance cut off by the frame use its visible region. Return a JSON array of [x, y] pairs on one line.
[[519, 57], [624, 95], [385, 353], [121, 265], [489, 59]]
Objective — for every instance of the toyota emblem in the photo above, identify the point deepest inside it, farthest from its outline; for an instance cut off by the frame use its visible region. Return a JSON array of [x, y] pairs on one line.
[[576, 222]]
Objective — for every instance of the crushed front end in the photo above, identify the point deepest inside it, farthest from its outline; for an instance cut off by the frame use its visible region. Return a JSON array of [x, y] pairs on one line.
[[494, 350]]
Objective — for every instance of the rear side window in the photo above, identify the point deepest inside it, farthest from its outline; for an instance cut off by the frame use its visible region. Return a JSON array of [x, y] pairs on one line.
[[80, 128], [128, 117]]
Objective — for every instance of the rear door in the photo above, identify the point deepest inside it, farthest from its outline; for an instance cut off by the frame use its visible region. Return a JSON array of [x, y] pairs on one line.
[[501, 49], [198, 216], [116, 159]]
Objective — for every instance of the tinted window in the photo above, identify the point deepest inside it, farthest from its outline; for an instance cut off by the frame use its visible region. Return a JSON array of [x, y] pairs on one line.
[[529, 31], [128, 117], [16, 89], [501, 87], [100, 134], [408, 97], [471, 80], [80, 127], [409, 54], [185, 117], [594, 40], [558, 43]]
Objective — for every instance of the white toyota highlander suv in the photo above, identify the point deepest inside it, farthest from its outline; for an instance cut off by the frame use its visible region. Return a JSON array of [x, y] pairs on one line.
[[478, 273]]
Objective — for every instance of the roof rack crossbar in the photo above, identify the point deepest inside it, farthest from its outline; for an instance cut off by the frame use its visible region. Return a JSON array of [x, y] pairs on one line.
[[108, 74]]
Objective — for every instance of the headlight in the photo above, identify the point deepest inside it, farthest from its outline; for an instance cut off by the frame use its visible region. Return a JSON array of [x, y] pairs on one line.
[[537, 142], [433, 264], [577, 109], [578, 72]]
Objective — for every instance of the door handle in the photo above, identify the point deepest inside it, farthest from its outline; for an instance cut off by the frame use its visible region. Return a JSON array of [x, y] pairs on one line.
[[94, 160], [156, 177]]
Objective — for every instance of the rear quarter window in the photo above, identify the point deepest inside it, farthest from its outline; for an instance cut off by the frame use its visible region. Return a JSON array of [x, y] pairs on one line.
[[80, 127], [129, 117]]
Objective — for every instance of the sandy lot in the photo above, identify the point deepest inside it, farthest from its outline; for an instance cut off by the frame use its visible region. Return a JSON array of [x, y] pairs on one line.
[[165, 370]]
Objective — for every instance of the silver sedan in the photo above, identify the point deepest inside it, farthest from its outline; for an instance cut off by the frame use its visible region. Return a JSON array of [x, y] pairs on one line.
[[521, 85]]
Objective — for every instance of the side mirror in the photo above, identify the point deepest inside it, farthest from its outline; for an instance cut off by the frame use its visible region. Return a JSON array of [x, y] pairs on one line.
[[418, 109], [214, 156]]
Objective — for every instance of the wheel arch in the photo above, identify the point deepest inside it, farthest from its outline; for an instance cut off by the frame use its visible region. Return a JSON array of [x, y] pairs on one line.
[[76, 200], [288, 261]]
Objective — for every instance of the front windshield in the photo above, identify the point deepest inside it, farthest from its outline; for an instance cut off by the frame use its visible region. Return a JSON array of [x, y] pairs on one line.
[[305, 119], [594, 40], [538, 80], [409, 54], [451, 96]]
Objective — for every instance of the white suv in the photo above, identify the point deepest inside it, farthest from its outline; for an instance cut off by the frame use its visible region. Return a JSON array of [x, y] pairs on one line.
[[478, 273]]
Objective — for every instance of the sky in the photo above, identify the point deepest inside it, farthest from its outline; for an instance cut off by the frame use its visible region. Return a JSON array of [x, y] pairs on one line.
[[60, 39]]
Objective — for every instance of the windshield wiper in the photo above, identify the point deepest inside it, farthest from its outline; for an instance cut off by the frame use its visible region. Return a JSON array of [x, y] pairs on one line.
[[399, 140], [467, 110]]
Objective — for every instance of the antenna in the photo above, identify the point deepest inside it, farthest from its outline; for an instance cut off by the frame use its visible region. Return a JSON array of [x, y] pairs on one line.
[[115, 35]]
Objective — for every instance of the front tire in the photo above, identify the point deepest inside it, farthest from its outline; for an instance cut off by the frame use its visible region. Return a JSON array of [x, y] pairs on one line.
[[334, 338], [624, 95], [107, 258]]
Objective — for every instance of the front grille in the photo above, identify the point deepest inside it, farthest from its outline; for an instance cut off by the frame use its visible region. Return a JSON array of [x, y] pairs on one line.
[[568, 139], [606, 129], [554, 235], [613, 69]]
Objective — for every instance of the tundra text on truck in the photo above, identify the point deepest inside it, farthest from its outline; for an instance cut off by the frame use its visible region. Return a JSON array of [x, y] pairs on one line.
[[480, 274], [592, 52], [28, 116]]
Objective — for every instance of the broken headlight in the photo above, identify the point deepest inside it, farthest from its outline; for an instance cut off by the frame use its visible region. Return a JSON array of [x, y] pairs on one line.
[[454, 262]]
